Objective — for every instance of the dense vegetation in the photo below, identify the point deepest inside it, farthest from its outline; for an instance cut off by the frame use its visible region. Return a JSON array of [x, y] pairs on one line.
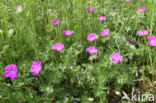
[[105, 47]]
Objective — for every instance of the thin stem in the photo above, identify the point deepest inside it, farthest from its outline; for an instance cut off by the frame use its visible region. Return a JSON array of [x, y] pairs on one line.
[[40, 78]]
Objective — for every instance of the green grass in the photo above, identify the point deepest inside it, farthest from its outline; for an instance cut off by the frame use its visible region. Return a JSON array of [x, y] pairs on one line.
[[28, 36]]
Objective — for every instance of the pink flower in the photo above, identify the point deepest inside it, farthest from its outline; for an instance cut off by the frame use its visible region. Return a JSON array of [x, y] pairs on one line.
[[141, 67], [128, 40], [91, 8], [17, 7], [71, 67], [91, 37], [105, 32], [67, 32], [58, 46], [10, 71], [55, 22], [142, 9], [36, 67], [92, 50], [102, 18], [116, 57], [127, 0], [151, 40], [142, 32]]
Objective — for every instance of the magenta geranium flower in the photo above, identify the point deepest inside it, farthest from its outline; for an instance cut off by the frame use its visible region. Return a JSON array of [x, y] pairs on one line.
[[55, 22], [17, 7], [36, 67], [67, 32], [10, 71], [151, 40], [141, 67], [127, 0], [142, 9], [142, 32], [58, 46], [116, 57], [128, 40], [71, 67], [91, 8], [150, 37], [105, 32], [102, 18], [92, 50], [91, 37]]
